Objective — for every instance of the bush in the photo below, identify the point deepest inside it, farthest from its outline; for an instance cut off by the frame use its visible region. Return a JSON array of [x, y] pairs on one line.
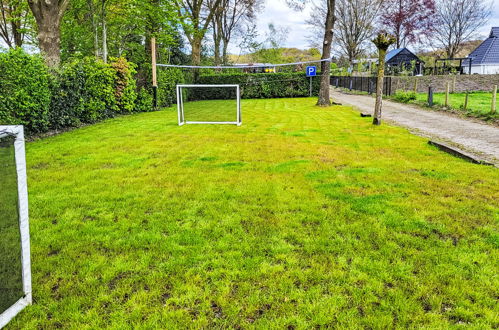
[[124, 85], [144, 101], [258, 85], [168, 79], [404, 97], [24, 91]]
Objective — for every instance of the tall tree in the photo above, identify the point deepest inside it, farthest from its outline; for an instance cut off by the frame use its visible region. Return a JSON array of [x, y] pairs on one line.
[[329, 20], [197, 16], [458, 21], [408, 20], [48, 15], [15, 22]]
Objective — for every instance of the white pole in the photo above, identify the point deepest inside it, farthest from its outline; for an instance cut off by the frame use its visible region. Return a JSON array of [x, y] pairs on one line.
[[239, 121], [178, 105]]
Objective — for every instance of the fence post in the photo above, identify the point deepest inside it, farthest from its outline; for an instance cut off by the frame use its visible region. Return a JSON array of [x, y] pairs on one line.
[[447, 90], [465, 107], [494, 98], [415, 85], [454, 85], [430, 96], [337, 82], [351, 84]]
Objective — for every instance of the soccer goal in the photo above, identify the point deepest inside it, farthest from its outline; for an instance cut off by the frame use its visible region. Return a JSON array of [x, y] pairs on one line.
[[209, 104], [15, 265]]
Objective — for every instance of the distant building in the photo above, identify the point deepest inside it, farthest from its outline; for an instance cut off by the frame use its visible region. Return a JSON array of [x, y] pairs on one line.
[[402, 59], [485, 58], [258, 67]]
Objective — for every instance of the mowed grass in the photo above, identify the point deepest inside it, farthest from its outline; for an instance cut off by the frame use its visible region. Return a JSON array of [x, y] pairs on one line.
[[479, 103], [303, 217]]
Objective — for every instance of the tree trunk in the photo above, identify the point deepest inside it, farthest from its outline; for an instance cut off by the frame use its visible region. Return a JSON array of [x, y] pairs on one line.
[[382, 42], [225, 57], [196, 56], [324, 99], [48, 15], [104, 32], [379, 88]]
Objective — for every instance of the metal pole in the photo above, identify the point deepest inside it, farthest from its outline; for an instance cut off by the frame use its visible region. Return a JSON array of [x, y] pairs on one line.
[[310, 86], [430, 96], [154, 73]]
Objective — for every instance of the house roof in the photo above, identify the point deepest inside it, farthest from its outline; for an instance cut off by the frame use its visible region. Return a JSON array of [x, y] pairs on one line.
[[392, 53], [488, 51]]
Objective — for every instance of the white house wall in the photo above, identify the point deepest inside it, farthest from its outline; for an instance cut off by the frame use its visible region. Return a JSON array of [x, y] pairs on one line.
[[482, 69]]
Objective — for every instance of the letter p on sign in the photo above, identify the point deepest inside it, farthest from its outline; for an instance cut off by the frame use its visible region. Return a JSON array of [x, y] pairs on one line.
[[311, 71]]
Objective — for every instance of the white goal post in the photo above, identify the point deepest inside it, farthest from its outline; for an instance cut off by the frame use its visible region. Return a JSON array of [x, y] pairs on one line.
[[12, 308], [180, 105]]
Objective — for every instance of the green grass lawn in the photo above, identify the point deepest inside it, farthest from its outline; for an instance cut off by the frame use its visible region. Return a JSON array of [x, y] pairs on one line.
[[302, 217], [479, 103]]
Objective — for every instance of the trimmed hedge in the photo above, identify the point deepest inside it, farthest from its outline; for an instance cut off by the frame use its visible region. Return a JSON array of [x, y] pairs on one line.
[[81, 91], [24, 91], [258, 86]]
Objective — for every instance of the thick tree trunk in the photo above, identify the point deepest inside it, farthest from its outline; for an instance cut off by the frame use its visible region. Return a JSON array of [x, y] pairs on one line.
[[48, 15], [196, 56], [324, 99], [18, 37], [49, 40]]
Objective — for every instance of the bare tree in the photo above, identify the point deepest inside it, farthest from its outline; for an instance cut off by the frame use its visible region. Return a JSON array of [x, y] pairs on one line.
[[458, 21], [328, 31], [48, 15], [354, 24]]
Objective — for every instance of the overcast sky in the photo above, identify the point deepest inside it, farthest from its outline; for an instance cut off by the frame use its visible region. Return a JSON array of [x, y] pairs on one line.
[[278, 13]]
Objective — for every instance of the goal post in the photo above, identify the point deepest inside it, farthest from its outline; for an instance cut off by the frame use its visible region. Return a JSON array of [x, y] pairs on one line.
[[15, 264], [196, 105]]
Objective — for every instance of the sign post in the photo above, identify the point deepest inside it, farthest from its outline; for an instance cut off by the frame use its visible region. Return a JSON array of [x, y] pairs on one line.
[[311, 72]]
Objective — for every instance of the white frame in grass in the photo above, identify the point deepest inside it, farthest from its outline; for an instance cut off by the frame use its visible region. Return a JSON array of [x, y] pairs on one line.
[[22, 191], [180, 105]]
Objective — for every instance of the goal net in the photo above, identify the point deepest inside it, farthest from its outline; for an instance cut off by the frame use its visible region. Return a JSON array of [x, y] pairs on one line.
[[209, 104], [15, 268]]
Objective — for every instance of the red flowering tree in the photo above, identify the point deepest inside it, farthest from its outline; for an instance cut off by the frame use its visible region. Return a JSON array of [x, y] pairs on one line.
[[408, 20]]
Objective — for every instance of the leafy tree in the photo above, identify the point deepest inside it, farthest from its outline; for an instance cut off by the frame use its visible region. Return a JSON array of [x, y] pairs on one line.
[[16, 22], [408, 20]]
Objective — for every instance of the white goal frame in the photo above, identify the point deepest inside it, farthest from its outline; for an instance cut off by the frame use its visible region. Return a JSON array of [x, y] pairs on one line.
[[180, 105], [22, 190]]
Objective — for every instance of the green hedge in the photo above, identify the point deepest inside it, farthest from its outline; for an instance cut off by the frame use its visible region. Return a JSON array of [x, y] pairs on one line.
[[80, 91], [24, 91], [257, 86]]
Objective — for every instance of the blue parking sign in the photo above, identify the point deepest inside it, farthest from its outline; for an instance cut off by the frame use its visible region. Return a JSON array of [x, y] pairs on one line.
[[311, 71]]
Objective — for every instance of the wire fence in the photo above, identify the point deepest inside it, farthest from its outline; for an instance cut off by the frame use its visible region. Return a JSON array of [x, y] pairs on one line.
[[362, 84]]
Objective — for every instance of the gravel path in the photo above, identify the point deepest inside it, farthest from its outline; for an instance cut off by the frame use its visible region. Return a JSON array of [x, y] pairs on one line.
[[473, 137]]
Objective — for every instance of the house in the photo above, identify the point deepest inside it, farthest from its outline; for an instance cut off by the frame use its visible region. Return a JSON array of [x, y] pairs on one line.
[[402, 59], [485, 58]]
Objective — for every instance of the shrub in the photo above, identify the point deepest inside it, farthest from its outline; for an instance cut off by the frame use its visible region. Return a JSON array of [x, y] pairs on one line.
[[84, 93], [124, 85], [144, 101], [24, 91], [168, 79], [255, 86], [404, 97]]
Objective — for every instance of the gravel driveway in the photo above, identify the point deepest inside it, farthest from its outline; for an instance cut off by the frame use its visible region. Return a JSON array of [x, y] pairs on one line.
[[469, 135]]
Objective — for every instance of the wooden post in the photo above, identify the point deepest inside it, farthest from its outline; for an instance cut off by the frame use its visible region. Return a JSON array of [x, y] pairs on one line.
[[447, 90], [465, 106], [430, 96], [494, 98], [154, 73], [454, 85], [415, 85]]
